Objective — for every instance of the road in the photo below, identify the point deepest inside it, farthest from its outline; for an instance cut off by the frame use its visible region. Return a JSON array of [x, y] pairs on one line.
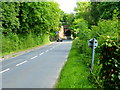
[[36, 69]]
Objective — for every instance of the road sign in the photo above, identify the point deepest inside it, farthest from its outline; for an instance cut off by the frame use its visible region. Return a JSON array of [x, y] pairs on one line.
[[93, 43]]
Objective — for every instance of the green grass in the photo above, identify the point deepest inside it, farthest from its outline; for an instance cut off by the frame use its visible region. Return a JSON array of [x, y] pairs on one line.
[[7, 53], [75, 73], [14, 43]]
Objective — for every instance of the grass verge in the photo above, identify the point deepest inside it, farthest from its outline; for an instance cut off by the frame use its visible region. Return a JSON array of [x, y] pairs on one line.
[[75, 73], [16, 43], [5, 54]]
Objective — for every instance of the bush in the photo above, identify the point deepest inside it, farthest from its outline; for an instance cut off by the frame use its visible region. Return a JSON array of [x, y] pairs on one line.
[[106, 64], [14, 42], [110, 61]]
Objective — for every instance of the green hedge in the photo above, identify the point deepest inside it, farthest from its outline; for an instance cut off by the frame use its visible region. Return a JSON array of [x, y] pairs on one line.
[[110, 62], [28, 24], [14, 42], [106, 66]]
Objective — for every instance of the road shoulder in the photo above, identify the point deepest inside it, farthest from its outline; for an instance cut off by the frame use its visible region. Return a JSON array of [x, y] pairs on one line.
[[24, 51]]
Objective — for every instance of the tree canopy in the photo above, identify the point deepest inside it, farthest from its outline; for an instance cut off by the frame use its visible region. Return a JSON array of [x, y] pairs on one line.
[[26, 17]]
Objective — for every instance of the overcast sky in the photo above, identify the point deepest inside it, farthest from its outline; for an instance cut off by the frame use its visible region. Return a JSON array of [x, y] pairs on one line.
[[67, 5]]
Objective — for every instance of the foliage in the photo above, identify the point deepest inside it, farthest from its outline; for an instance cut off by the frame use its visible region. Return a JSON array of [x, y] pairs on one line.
[[104, 27], [75, 73], [94, 11], [110, 56], [83, 10], [67, 18], [26, 17], [103, 10], [14, 43], [26, 22], [10, 22], [39, 17]]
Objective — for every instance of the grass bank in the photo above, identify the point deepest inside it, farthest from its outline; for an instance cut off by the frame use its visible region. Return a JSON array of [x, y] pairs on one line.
[[75, 73], [15, 43]]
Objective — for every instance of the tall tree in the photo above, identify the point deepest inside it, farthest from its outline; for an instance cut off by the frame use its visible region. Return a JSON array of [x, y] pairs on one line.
[[10, 22]]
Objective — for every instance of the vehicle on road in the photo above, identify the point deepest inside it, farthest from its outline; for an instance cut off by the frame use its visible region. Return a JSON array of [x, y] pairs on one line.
[[59, 40]]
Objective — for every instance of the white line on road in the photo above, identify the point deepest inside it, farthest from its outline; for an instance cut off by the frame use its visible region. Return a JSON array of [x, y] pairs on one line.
[[33, 57], [21, 63], [5, 70], [49, 49], [41, 53], [54, 47], [46, 50]]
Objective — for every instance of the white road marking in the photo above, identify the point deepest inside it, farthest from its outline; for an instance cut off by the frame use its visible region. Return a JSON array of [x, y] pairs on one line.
[[33, 57], [21, 63], [41, 53], [49, 49], [55, 46], [5, 70], [46, 50]]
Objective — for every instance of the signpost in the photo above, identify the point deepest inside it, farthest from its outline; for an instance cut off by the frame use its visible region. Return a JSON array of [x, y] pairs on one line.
[[93, 43]]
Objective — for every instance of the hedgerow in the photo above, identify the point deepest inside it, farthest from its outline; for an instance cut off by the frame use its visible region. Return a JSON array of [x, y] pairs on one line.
[[105, 28], [28, 24]]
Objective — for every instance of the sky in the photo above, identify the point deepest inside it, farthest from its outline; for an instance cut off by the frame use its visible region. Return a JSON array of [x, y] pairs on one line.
[[67, 5]]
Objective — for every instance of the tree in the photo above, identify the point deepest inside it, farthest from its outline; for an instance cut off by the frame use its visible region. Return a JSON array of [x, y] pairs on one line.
[[10, 22], [103, 10], [30, 17]]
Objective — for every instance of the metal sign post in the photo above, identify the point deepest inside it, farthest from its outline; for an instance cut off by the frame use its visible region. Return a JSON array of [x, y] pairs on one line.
[[92, 44]]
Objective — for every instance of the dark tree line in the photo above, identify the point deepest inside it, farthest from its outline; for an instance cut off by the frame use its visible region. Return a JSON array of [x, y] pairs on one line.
[[26, 17]]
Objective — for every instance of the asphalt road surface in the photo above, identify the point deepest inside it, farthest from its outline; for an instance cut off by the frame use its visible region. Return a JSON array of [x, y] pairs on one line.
[[36, 69]]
